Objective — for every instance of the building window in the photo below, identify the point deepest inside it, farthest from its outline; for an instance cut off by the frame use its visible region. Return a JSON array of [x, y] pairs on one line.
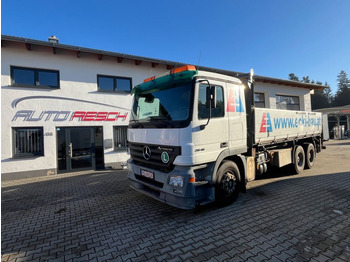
[[287, 102], [28, 141], [203, 109], [30, 77], [120, 137], [113, 83], [259, 100]]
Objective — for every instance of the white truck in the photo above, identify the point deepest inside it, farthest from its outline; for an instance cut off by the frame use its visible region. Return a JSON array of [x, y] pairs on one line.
[[195, 137]]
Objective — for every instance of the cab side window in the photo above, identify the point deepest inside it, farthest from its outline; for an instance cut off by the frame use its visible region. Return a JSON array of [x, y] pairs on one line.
[[203, 110]]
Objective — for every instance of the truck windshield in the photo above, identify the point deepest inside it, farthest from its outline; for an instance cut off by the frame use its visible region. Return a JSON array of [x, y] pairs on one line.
[[165, 107]]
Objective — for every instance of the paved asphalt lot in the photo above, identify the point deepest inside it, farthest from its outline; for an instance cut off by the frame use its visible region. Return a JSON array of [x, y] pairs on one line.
[[96, 217]]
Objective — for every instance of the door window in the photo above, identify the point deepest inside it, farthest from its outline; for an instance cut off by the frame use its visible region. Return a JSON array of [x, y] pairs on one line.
[[81, 156], [203, 110]]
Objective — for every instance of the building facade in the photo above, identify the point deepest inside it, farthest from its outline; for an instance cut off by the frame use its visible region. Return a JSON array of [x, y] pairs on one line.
[[67, 108]]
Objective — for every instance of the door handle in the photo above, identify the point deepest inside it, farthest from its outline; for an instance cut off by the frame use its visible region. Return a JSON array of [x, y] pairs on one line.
[[71, 150], [222, 145]]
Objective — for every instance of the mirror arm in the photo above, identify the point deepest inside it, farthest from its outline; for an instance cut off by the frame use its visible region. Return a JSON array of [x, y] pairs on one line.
[[202, 127]]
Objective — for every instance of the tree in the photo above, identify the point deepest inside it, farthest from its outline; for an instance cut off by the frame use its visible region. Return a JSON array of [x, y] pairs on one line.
[[306, 79], [342, 97], [320, 98], [293, 77], [328, 93]]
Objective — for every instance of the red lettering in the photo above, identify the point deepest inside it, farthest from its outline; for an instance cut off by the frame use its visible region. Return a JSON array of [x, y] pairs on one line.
[[101, 116], [90, 116], [112, 113], [98, 116], [78, 114], [122, 116]]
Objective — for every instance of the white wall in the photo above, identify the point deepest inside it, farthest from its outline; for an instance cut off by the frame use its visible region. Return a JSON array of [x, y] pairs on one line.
[[78, 80], [271, 90]]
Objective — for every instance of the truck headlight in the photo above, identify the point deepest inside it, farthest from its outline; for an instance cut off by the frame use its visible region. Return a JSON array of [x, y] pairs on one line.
[[176, 181]]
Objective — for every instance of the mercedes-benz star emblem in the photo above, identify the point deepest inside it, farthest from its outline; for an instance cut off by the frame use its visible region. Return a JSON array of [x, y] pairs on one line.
[[146, 152]]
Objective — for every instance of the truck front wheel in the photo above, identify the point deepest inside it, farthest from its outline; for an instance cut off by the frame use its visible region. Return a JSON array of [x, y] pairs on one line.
[[227, 186]]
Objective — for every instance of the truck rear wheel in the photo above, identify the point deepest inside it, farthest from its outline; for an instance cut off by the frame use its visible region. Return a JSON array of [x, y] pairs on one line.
[[310, 154], [299, 159], [227, 186]]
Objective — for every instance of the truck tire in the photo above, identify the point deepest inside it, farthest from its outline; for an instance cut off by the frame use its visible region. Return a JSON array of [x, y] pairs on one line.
[[310, 155], [228, 183], [299, 159]]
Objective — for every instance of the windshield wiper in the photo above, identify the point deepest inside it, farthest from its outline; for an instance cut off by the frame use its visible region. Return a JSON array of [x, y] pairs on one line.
[[137, 123], [167, 117]]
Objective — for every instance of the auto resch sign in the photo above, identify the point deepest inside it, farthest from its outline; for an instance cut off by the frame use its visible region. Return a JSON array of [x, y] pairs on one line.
[[66, 115]]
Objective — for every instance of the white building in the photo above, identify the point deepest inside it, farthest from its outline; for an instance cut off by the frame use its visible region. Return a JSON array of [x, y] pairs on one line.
[[66, 108]]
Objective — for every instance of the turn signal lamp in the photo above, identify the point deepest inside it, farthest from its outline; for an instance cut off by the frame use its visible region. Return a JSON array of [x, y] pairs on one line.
[[192, 180]]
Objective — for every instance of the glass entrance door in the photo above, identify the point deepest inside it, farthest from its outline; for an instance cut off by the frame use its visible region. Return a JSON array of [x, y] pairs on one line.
[[75, 148], [80, 148]]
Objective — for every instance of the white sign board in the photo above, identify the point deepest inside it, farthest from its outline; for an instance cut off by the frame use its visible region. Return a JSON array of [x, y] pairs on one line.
[[278, 125]]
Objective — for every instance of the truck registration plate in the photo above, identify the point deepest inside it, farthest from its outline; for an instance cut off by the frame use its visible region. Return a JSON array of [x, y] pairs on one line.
[[147, 174]]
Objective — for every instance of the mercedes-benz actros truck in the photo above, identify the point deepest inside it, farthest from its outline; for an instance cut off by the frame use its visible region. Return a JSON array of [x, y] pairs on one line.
[[195, 137]]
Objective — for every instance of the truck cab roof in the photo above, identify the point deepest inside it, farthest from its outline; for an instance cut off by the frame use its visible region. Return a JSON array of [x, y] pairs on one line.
[[217, 76]]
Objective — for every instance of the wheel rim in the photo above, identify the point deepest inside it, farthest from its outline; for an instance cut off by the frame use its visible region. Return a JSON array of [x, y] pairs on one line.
[[300, 159], [229, 183], [311, 156]]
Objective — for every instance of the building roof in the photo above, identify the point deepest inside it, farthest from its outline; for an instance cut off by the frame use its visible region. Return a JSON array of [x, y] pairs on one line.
[[341, 110], [153, 61]]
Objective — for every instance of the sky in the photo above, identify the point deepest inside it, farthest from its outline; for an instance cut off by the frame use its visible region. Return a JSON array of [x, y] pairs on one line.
[[274, 37]]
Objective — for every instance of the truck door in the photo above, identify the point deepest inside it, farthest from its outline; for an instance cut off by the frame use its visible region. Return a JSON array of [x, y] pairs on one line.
[[210, 141], [235, 109]]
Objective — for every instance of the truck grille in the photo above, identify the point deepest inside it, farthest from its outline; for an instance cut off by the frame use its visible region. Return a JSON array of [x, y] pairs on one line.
[[155, 159]]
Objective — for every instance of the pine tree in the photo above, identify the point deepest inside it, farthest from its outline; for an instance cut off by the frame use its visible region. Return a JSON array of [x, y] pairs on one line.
[[328, 93], [342, 97], [319, 99]]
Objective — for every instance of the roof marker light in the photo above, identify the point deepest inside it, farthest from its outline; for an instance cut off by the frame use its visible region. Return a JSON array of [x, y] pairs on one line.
[[172, 72], [149, 79], [183, 68]]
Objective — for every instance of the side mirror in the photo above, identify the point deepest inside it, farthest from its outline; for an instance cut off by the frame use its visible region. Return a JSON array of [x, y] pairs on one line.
[[211, 97]]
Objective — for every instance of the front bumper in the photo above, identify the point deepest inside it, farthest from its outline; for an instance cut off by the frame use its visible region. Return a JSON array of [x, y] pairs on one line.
[[159, 188]]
